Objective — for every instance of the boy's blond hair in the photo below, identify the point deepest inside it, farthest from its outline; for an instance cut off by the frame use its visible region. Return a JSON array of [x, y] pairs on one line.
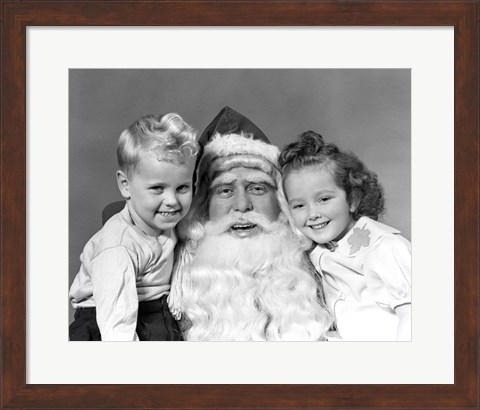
[[168, 137]]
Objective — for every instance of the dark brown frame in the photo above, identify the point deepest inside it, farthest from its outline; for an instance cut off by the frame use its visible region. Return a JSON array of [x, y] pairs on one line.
[[17, 15]]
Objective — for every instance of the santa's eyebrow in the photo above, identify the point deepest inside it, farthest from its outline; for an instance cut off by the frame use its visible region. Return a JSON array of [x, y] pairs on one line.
[[260, 180], [214, 185], [222, 180], [229, 180]]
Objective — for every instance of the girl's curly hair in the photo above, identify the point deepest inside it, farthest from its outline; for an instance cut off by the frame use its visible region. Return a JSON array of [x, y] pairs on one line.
[[360, 184]]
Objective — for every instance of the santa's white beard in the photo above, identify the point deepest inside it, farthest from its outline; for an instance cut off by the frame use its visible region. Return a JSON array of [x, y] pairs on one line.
[[254, 288]]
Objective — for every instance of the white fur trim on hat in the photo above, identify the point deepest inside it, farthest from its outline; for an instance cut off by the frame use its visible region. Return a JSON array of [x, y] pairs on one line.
[[222, 145], [223, 164]]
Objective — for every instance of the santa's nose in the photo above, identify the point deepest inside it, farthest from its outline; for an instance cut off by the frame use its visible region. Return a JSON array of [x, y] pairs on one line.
[[242, 202]]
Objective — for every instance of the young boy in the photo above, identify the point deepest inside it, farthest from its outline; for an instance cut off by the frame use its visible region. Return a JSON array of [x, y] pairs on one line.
[[121, 289]]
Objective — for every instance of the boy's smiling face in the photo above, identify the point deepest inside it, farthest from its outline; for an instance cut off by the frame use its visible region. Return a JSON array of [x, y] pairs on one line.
[[159, 193]]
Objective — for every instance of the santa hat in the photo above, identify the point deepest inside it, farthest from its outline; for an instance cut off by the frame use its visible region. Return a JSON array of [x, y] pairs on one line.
[[231, 140]]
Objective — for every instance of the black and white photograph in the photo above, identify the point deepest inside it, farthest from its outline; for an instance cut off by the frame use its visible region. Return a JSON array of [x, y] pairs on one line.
[[240, 205], [282, 197]]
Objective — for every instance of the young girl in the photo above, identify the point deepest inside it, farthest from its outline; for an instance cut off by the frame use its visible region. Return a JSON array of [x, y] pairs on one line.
[[121, 289], [366, 266]]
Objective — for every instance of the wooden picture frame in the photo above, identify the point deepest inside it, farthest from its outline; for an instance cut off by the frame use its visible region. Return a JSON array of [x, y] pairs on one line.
[[18, 15]]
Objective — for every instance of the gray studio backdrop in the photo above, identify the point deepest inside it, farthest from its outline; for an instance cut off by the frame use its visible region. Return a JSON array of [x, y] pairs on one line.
[[366, 111]]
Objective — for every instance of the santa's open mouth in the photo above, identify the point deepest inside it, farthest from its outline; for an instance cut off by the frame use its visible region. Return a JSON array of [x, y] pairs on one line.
[[242, 227]]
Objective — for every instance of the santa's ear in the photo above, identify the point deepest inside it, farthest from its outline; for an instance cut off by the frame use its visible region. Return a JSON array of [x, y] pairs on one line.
[[123, 184]]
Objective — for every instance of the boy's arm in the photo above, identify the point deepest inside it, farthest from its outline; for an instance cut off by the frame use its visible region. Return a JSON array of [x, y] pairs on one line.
[[115, 295]]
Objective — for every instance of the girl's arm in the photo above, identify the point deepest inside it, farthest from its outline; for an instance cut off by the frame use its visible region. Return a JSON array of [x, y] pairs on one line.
[[387, 271], [404, 330]]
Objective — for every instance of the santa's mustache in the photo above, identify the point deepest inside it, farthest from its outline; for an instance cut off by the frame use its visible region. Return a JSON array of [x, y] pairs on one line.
[[237, 218]]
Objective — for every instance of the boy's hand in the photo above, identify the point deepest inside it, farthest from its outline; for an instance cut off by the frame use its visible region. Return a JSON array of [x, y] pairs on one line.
[[175, 310]]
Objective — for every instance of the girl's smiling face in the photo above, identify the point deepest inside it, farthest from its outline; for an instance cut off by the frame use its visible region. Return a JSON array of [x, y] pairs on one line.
[[319, 207]]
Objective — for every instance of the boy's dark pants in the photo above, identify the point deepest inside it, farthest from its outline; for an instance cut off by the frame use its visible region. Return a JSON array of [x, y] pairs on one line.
[[154, 322]]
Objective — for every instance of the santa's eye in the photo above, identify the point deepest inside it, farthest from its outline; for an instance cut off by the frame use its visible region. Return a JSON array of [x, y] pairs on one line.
[[257, 189], [223, 191]]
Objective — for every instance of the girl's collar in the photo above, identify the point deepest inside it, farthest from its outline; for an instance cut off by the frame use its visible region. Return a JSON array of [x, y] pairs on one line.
[[331, 246], [363, 234]]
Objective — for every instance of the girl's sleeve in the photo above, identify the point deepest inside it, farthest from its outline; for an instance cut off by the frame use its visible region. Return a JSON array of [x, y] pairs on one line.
[[115, 294], [387, 270]]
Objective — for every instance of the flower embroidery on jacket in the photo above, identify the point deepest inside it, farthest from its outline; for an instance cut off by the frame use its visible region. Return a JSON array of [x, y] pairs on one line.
[[360, 237]]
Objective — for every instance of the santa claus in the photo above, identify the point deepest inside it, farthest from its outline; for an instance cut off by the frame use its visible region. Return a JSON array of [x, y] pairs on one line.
[[241, 272]]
